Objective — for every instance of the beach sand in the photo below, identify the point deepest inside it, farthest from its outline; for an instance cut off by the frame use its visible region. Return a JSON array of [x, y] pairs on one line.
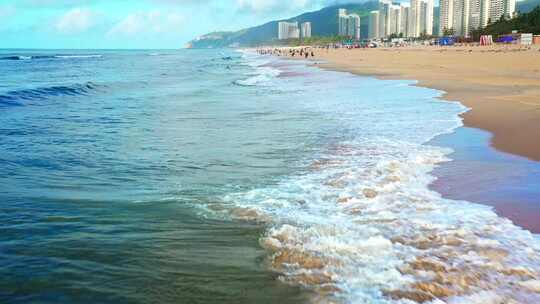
[[501, 85]]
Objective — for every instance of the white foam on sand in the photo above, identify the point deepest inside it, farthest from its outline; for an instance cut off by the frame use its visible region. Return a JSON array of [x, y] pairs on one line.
[[360, 224], [262, 74]]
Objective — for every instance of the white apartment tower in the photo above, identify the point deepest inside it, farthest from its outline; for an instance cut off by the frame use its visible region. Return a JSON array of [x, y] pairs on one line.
[[461, 17], [426, 23], [405, 13], [348, 24], [342, 22], [479, 14], [411, 20], [374, 25], [395, 19], [464, 16], [446, 13], [415, 19], [501, 8], [385, 7], [305, 31], [288, 30]]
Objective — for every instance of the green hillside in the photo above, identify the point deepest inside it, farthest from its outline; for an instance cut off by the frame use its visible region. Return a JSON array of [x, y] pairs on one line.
[[524, 23], [324, 23]]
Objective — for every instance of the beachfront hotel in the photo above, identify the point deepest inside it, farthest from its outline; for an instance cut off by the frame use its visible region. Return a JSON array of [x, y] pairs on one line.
[[373, 25], [288, 30], [406, 19], [291, 30], [464, 16], [348, 24], [305, 31]]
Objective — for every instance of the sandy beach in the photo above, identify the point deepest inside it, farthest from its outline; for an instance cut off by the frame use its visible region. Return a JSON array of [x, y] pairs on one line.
[[501, 85]]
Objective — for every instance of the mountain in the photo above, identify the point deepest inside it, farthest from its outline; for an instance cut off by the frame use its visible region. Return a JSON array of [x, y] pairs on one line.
[[527, 5], [323, 23]]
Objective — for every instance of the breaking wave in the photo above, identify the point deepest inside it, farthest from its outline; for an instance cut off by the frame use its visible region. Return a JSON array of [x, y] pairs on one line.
[[38, 57], [263, 73], [20, 97], [360, 225]]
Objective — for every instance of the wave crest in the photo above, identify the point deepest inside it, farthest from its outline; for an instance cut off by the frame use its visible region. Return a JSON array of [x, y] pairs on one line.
[[21, 97]]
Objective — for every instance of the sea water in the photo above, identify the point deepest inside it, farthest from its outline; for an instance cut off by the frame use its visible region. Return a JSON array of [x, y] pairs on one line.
[[203, 176]]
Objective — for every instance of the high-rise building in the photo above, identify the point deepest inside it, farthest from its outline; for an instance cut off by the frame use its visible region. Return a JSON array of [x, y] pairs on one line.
[[288, 30], [348, 24], [464, 16], [479, 14], [395, 19], [374, 25], [426, 22], [501, 8], [305, 30], [405, 11], [461, 17], [446, 10], [342, 22], [415, 18], [384, 17]]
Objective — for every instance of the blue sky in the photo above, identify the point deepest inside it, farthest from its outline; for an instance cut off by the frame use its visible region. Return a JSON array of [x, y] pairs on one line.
[[133, 23]]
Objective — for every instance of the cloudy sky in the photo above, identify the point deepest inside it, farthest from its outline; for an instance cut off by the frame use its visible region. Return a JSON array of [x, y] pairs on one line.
[[133, 23]]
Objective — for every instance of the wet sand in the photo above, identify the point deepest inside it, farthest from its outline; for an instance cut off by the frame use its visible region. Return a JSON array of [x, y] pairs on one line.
[[501, 85], [481, 174]]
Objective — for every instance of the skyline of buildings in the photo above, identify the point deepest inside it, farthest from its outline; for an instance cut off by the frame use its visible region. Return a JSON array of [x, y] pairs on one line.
[[413, 19], [288, 30], [405, 19], [464, 16], [305, 31], [291, 30], [348, 24]]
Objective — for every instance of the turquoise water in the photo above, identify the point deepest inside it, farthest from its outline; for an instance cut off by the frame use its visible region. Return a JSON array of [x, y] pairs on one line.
[[204, 176]]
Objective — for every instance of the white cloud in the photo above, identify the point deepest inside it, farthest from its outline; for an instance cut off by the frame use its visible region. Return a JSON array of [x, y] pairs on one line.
[[153, 22], [259, 6], [74, 21]]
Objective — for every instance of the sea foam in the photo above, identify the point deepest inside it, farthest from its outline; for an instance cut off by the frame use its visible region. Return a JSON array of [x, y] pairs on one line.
[[360, 224]]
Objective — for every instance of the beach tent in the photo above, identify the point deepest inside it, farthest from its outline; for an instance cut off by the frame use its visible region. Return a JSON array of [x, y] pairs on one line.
[[486, 40], [447, 41], [505, 39]]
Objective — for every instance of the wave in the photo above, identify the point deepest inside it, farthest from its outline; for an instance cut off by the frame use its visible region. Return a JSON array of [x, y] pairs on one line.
[[42, 57], [77, 56], [261, 77], [263, 73], [362, 226], [20, 97], [359, 224]]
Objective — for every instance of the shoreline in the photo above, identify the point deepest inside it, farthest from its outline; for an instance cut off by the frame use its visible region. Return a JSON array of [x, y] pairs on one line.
[[479, 173], [502, 90], [484, 158]]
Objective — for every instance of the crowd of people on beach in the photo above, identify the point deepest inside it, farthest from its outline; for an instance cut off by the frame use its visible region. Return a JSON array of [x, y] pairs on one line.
[[291, 52]]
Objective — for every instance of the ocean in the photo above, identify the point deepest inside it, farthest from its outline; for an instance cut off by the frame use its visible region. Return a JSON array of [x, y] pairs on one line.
[[222, 176]]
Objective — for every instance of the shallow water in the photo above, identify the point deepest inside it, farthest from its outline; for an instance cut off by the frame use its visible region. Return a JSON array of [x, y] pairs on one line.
[[479, 173], [205, 176]]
